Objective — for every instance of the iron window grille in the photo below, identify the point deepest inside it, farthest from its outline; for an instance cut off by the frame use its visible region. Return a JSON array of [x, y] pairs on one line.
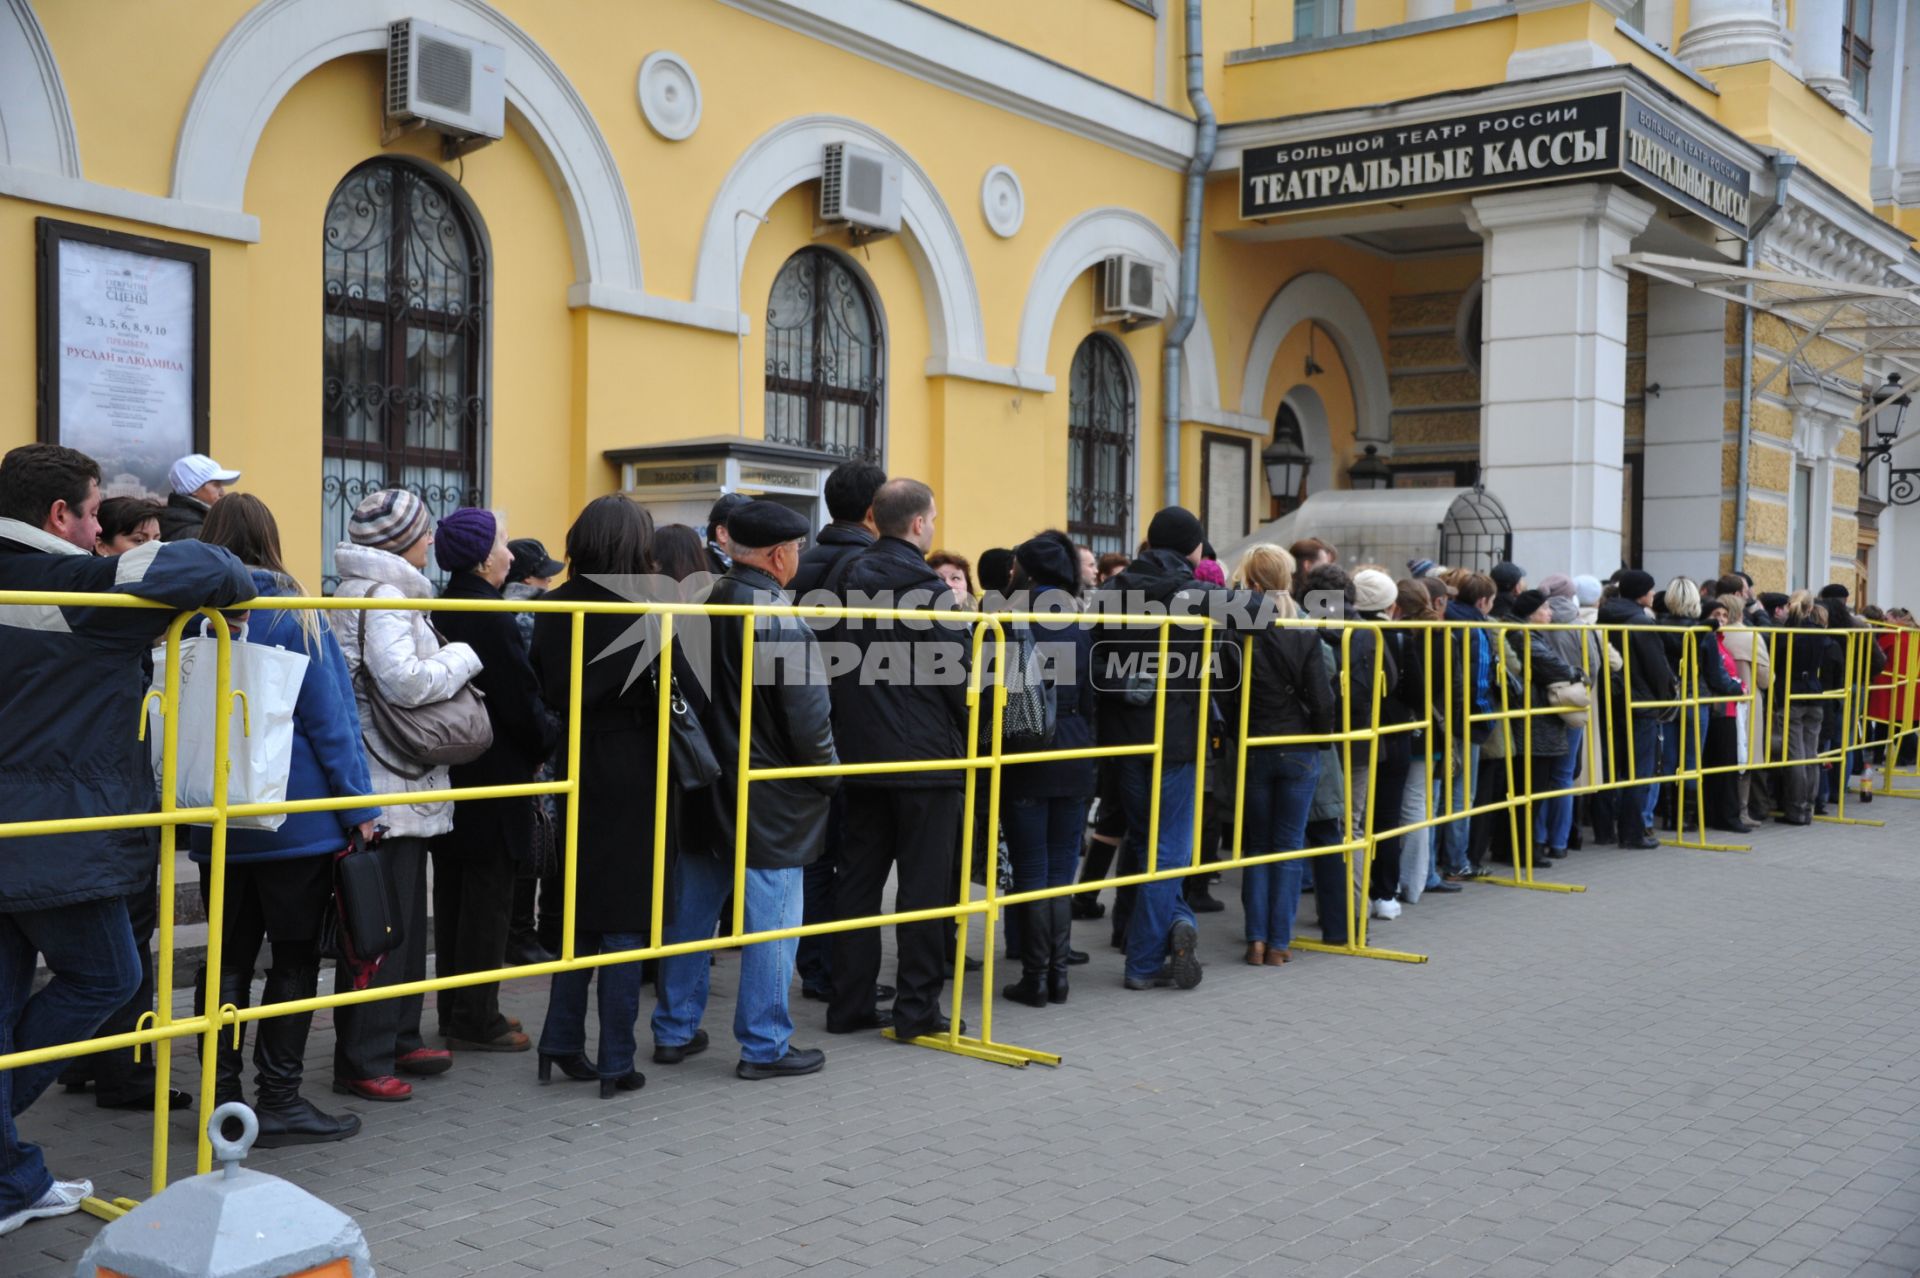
[[404, 336], [825, 359], [1100, 432]]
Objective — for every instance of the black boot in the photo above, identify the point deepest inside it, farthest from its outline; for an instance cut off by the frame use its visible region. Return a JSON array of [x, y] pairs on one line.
[[279, 1056], [1036, 949], [228, 1068], [1059, 914]]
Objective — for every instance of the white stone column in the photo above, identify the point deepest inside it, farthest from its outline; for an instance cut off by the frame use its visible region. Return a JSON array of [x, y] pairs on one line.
[[1726, 32], [1553, 368], [1816, 46], [1685, 432]]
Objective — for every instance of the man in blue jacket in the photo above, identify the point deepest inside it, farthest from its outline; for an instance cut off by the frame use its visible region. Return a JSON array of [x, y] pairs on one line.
[[71, 684]]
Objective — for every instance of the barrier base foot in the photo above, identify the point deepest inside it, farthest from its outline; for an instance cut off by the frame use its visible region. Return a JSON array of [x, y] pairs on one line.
[[1534, 885], [107, 1209], [1705, 846], [1360, 951], [980, 1049], [1840, 820], [1896, 794]]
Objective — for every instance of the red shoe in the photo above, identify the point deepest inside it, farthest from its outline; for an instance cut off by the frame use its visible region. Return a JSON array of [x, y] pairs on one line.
[[424, 1061], [384, 1088]]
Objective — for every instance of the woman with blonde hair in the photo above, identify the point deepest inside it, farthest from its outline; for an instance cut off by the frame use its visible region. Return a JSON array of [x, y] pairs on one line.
[[1288, 694], [1681, 738]]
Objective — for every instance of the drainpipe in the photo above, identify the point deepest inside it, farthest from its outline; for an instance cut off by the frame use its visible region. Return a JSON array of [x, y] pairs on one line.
[[1783, 167], [1187, 303]]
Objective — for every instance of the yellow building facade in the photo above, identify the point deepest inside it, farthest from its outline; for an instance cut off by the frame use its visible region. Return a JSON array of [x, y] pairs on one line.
[[635, 284]]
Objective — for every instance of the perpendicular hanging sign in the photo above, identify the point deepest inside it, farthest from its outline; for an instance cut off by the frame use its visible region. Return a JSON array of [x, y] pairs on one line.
[[1592, 135]]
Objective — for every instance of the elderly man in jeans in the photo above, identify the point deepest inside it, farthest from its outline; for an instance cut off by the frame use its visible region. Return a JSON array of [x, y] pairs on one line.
[[786, 821]]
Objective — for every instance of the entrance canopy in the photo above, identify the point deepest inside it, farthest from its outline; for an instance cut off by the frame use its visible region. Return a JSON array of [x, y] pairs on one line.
[[1876, 321], [1457, 527]]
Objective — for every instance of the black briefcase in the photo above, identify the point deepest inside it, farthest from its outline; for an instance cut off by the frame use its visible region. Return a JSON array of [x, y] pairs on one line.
[[368, 903]]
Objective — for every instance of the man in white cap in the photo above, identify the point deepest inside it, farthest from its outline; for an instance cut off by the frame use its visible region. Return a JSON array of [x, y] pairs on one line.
[[198, 482]]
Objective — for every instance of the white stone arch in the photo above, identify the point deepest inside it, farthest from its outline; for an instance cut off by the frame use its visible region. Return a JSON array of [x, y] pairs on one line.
[[791, 153], [1316, 435], [36, 124], [278, 42], [1087, 241], [1333, 306]]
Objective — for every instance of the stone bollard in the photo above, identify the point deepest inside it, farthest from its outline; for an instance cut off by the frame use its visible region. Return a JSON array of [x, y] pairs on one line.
[[232, 1223]]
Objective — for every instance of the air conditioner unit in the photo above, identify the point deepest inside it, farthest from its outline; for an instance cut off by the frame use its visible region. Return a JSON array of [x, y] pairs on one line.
[[441, 80], [861, 188], [1130, 292]]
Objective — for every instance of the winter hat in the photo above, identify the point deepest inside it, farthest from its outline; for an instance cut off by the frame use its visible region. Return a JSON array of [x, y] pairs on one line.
[[391, 519], [1558, 586], [465, 539], [1175, 529], [530, 559], [1421, 567], [1528, 602], [1634, 584], [1506, 576], [996, 570], [1373, 590], [723, 507], [1050, 560], [1833, 590], [1586, 589], [1210, 571]]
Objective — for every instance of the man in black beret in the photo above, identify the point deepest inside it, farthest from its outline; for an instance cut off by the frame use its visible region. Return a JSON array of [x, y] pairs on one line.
[[1652, 680], [786, 822]]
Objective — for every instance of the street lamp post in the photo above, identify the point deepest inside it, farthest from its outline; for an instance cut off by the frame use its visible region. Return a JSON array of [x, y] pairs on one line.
[[1370, 473], [1888, 403], [1286, 464]]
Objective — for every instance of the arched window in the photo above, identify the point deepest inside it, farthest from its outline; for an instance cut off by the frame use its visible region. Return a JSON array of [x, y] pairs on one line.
[[825, 365], [1100, 446], [404, 345]]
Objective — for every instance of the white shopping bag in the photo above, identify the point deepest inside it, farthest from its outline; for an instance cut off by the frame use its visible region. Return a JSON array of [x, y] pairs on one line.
[[260, 723]]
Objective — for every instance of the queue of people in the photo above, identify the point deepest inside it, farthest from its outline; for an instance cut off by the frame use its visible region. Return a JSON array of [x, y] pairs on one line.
[[1398, 743]]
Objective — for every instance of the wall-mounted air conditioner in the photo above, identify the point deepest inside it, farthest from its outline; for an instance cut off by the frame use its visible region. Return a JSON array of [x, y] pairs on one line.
[[442, 80], [860, 188], [1130, 292]]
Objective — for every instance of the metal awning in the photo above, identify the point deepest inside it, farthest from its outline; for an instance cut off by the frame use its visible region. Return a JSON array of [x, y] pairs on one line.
[[1874, 321]]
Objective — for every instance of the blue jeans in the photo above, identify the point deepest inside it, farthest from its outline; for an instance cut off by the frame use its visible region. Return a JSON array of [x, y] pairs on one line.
[[1553, 818], [565, 1031], [96, 969], [1158, 905], [1280, 786], [775, 900], [1450, 839], [1043, 839], [1636, 800]]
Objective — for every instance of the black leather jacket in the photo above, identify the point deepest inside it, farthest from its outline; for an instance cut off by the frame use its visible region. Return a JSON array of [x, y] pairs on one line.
[[792, 726]]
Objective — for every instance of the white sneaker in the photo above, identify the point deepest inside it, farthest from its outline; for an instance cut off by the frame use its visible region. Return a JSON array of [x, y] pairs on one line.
[[1386, 909], [62, 1199]]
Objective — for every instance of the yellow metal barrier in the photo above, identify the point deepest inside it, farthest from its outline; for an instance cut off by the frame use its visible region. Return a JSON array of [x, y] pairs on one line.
[[1450, 718]]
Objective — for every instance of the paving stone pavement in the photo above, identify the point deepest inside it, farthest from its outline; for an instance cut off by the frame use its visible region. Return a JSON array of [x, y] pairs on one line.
[[1709, 1063]]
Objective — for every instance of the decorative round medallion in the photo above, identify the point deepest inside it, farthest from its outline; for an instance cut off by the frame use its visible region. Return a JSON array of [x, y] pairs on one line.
[[1002, 200], [669, 95]]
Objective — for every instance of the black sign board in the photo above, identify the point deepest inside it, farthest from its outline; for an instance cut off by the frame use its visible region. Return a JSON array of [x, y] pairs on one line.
[[1675, 161], [1612, 132]]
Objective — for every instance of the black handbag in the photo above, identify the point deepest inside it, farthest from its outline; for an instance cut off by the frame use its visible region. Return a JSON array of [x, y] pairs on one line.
[[365, 924], [689, 753]]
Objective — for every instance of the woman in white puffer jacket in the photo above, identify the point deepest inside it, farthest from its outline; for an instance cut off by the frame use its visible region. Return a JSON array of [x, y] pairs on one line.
[[391, 535]]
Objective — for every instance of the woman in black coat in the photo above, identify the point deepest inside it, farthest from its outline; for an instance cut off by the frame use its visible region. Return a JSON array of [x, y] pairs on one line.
[[613, 895], [1043, 806], [476, 862]]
